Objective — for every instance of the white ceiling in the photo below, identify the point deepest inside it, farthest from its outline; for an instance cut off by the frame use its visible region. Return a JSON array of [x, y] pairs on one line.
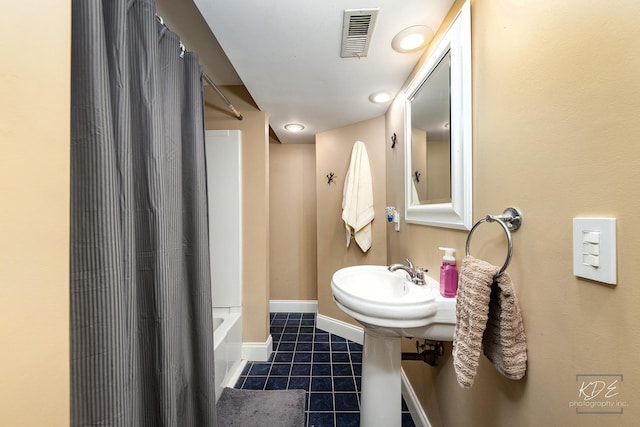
[[287, 54]]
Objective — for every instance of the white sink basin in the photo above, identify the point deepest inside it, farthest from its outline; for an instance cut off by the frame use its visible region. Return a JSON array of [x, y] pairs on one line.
[[390, 304]]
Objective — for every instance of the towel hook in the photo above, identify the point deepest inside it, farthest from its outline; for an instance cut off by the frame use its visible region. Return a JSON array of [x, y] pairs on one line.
[[331, 177], [509, 220]]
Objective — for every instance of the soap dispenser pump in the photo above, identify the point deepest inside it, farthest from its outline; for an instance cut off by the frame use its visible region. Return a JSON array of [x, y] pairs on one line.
[[448, 274]]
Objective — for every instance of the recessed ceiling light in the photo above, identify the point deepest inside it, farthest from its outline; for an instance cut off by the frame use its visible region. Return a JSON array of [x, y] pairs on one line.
[[294, 127], [379, 97], [412, 39]]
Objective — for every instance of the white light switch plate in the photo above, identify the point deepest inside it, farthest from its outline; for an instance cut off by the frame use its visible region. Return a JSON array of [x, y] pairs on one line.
[[594, 249]]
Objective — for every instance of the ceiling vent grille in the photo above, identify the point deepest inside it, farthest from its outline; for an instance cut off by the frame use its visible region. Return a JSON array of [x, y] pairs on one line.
[[357, 28]]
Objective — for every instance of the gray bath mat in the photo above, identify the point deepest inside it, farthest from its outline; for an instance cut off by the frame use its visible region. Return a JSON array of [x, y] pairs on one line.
[[251, 408]]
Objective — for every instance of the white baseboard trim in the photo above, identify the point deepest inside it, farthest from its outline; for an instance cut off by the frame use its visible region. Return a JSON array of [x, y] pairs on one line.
[[293, 306], [257, 351], [340, 328], [234, 374], [420, 418]]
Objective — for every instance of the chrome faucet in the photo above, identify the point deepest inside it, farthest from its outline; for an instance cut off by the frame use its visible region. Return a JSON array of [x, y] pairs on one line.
[[416, 274]]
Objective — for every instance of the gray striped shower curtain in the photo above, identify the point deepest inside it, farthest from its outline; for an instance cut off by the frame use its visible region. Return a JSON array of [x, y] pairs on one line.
[[141, 327]]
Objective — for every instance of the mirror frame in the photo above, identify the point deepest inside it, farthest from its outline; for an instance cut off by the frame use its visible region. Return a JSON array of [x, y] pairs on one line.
[[456, 214]]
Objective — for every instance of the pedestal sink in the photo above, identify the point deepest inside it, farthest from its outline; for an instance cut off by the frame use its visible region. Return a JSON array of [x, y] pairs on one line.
[[389, 306]]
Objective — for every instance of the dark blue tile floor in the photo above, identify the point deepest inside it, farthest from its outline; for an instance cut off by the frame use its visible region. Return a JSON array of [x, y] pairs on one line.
[[327, 366]]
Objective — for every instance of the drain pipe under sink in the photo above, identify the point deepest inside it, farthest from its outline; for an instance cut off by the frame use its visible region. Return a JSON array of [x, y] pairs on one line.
[[428, 352]]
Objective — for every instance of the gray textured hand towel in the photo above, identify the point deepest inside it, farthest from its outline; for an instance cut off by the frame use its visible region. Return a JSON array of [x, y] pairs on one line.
[[488, 316], [504, 341]]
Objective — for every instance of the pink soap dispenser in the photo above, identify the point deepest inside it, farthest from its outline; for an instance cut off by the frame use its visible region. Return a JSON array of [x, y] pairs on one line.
[[448, 274]]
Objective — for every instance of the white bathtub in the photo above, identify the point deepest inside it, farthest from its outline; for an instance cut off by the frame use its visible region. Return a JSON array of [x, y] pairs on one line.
[[227, 338]]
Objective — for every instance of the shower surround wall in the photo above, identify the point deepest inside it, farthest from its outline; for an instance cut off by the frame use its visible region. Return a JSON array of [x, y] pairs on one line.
[[224, 192]]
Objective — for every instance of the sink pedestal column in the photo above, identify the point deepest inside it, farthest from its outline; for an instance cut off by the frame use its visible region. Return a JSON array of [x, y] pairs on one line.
[[381, 401]]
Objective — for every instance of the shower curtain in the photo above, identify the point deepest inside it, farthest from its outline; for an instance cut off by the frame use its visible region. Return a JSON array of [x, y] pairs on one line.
[[141, 326]]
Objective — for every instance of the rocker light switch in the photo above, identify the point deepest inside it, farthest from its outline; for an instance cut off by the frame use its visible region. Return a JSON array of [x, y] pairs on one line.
[[594, 249], [591, 237]]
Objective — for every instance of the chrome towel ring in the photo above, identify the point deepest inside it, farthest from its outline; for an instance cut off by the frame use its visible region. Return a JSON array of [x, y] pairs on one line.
[[510, 220]]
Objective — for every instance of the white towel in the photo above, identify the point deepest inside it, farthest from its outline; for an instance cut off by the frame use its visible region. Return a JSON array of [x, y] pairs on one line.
[[357, 198], [415, 199]]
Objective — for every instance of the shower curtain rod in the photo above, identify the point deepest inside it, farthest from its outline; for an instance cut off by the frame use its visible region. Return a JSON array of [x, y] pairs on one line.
[[224, 98], [208, 79]]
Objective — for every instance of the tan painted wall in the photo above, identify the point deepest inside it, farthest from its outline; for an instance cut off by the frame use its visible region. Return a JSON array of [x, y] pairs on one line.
[[255, 203], [556, 101], [292, 214], [333, 153], [34, 214]]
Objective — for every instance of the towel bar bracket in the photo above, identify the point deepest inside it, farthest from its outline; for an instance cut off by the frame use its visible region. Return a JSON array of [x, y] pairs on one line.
[[511, 217]]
